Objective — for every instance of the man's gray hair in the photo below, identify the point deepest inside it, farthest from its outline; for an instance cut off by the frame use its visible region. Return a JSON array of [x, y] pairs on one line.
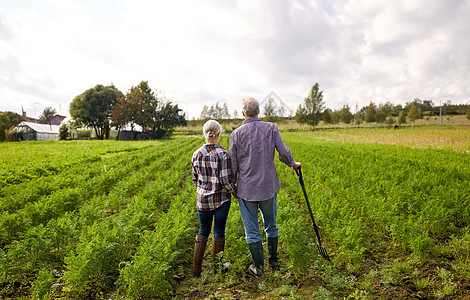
[[250, 106], [211, 129]]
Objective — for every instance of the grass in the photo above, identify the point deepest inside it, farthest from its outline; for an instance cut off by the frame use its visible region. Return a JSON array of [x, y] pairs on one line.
[[447, 138]]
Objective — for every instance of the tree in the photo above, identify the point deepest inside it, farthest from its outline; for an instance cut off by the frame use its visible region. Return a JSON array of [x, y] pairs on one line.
[[385, 108], [270, 111], [346, 115], [166, 118], [335, 117], [63, 132], [390, 122], [8, 120], [370, 113], [204, 113], [301, 115], [380, 116], [122, 114], [216, 112], [357, 117], [311, 113], [468, 113], [396, 110], [401, 118], [47, 114], [413, 114], [225, 113], [327, 116], [142, 105], [93, 107]]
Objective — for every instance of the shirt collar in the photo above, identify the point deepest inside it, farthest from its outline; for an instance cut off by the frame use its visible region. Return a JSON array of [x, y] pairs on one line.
[[250, 120]]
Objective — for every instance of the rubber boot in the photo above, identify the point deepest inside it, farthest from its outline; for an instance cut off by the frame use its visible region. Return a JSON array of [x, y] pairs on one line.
[[272, 253], [256, 269], [218, 245], [199, 249]]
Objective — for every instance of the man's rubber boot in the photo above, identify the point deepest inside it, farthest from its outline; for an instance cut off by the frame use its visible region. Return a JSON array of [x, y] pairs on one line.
[[256, 269], [272, 253], [199, 248], [218, 245]]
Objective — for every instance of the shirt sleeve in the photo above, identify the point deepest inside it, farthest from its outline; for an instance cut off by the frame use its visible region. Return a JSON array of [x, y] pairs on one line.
[[194, 177], [285, 155], [225, 174], [233, 158]]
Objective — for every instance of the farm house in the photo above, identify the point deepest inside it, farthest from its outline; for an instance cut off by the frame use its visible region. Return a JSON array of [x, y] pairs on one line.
[[37, 132]]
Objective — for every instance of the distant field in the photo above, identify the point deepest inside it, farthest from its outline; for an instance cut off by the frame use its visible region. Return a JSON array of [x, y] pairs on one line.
[[456, 138]]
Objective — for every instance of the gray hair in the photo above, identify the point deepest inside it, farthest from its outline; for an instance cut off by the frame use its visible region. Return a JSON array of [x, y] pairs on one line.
[[250, 106], [211, 129]]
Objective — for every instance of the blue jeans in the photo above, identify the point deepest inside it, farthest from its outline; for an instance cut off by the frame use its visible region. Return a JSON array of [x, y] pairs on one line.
[[220, 220], [249, 212]]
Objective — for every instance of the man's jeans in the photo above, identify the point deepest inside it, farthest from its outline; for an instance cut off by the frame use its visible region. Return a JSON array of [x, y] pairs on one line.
[[220, 220], [249, 212]]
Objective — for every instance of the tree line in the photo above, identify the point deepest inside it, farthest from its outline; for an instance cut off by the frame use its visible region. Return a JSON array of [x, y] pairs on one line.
[[313, 110], [103, 107]]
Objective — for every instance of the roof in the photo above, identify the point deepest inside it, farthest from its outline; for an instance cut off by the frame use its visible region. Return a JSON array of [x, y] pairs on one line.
[[41, 128], [58, 117]]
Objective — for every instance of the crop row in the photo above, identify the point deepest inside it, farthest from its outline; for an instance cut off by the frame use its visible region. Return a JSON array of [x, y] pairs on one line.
[[123, 211], [25, 161], [365, 195], [123, 221], [39, 200]]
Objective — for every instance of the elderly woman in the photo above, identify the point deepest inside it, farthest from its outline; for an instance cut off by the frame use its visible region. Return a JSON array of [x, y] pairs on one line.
[[252, 149], [212, 177]]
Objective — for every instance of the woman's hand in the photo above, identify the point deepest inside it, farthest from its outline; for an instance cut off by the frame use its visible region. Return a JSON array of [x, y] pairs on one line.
[[296, 165]]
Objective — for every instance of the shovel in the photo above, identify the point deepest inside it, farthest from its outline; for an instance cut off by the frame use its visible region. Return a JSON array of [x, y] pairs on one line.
[[321, 249]]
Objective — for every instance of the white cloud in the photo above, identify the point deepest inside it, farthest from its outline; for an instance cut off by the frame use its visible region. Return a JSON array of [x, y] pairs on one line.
[[207, 51]]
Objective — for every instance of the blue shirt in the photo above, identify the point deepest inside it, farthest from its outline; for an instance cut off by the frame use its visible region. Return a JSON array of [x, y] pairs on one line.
[[252, 150]]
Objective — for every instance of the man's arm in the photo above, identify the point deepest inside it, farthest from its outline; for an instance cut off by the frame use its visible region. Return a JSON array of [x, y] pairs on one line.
[[285, 155], [233, 158]]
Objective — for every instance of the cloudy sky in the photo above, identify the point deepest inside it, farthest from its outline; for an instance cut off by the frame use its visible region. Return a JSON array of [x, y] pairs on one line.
[[201, 52]]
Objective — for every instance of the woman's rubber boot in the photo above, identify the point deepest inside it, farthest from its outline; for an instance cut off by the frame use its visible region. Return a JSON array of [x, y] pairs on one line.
[[272, 253], [199, 249], [218, 245], [256, 269]]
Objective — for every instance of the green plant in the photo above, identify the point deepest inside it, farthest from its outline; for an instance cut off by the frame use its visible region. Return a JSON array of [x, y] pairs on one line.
[[322, 294], [388, 276], [447, 285], [41, 288], [421, 283]]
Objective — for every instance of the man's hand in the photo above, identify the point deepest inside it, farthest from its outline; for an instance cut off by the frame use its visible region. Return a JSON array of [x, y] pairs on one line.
[[234, 194], [296, 165]]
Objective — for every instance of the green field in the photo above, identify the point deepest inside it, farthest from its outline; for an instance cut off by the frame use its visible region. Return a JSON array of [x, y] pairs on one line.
[[117, 220]]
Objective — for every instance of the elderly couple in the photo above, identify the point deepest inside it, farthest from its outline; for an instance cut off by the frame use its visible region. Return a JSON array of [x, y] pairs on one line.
[[250, 166]]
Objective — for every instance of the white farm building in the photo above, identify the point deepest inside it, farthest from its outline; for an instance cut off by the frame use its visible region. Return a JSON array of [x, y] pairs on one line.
[[37, 132]]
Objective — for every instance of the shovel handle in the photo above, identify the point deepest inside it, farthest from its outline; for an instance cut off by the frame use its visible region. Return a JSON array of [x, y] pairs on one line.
[[315, 227], [321, 249]]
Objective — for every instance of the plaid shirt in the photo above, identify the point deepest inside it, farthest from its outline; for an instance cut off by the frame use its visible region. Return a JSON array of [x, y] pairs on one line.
[[212, 176]]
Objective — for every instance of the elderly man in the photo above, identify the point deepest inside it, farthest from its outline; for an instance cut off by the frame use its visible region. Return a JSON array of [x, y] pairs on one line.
[[252, 148]]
